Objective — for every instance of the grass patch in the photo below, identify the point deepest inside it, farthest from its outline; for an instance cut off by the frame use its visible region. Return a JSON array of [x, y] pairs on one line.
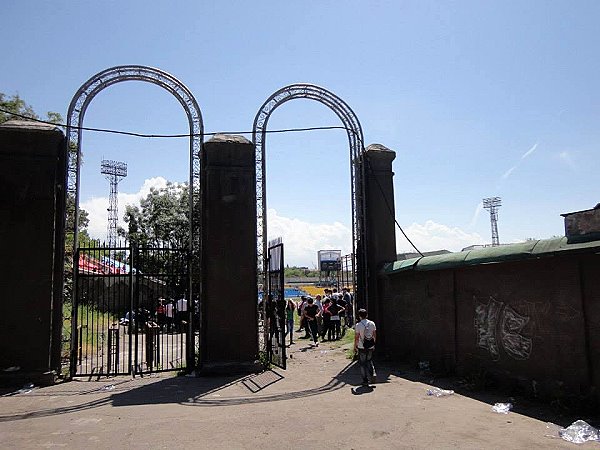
[[346, 342], [94, 325]]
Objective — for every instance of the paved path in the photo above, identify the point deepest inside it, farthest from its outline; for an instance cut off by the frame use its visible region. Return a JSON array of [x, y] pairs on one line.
[[314, 404]]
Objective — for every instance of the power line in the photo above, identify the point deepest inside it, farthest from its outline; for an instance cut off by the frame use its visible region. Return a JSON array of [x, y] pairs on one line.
[[284, 130], [142, 135], [391, 211]]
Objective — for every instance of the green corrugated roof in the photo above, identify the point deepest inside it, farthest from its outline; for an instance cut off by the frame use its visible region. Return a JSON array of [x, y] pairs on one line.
[[491, 255], [500, 253], [405, 264], [442, 261]]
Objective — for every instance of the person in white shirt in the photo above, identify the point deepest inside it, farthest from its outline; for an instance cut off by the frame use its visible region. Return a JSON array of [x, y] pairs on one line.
[[365, 335], [318, 303], [181, 311], [170, 313]]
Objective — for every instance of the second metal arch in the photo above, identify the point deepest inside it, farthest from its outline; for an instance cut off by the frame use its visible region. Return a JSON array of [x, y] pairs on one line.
[[356, 144]]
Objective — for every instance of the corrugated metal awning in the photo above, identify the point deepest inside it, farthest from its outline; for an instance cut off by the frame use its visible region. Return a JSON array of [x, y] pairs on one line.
[[494, 255]]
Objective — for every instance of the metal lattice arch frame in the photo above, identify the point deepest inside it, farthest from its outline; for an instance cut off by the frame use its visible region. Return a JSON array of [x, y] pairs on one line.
[[356, 143], [76, 114]]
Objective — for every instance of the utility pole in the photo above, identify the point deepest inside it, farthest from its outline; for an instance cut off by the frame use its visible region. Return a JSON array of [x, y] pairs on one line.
[[492, 204], [114, 171]]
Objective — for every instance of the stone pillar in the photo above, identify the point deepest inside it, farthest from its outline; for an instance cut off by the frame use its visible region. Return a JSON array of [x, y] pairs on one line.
[[32, 208], [229, 284], [379, 220]]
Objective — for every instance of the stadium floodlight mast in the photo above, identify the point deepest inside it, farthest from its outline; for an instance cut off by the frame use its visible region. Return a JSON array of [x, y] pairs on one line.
[[114, 171], [492, 204]]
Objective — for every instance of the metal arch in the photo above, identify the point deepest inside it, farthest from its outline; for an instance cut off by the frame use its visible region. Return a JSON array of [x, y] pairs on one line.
[[356, 143], [75, 116]]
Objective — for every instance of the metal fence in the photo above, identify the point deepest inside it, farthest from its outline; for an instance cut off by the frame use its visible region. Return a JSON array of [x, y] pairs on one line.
[[132, 312]]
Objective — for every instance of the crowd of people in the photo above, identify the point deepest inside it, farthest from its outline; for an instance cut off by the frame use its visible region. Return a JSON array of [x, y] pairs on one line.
[[169, 315], [325, 317]]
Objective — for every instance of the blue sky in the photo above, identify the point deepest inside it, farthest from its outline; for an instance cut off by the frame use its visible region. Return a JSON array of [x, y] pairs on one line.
[[478, 99]]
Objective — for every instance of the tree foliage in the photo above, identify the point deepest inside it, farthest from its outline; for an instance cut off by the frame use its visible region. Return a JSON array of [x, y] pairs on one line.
[[161, 219], [300, 272], [17, 105]]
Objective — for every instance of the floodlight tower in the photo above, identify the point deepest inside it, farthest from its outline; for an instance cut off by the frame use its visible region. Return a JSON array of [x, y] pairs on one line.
[[114, 172], [492, 204]]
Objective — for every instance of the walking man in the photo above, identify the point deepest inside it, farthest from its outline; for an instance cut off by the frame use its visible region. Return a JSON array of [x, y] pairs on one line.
[[364, 343], [311, 313]]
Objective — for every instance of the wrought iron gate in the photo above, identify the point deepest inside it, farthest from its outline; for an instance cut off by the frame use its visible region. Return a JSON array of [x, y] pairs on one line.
[[275, 306], [132, 312]]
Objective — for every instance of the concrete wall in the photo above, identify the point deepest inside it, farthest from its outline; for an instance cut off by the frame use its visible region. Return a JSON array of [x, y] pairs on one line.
[[534, 322], [379, 222], [229, 299], [418, 317], [590, 268], [32, 180]]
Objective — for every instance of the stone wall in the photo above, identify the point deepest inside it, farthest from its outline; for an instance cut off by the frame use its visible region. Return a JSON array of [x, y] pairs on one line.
[[32, 202], [534, 323]]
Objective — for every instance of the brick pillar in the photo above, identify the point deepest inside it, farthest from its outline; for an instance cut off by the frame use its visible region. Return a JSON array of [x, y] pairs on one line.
[[380, 225], [229, 299], [32, 207]]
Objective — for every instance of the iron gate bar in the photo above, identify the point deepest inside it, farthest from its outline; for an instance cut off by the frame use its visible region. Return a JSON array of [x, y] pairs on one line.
[[97, 295], [75, 116], [102, 297], [275, 306], [132, 263], [135, 308]]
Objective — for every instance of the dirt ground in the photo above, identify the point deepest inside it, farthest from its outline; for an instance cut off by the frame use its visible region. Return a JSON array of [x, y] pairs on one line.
[[316, 403]]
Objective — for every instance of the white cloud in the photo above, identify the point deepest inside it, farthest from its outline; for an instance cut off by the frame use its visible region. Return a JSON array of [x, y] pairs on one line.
[[508, 172], [302, 240], [476, 214], [435, 236], [530, 151], [97, 207], [567, 159]]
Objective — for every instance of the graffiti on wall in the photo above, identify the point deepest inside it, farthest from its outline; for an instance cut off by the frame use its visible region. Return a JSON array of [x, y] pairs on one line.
[[499, 326]]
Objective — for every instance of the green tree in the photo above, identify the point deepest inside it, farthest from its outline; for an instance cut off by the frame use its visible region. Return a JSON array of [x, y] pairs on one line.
[[161, 219], [83, 240], [17, 105], [300, 272]]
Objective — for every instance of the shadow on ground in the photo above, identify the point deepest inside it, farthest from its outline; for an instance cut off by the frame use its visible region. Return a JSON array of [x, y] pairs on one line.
[[214, 391], [547, 411], [187, 391], [208, 391]]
